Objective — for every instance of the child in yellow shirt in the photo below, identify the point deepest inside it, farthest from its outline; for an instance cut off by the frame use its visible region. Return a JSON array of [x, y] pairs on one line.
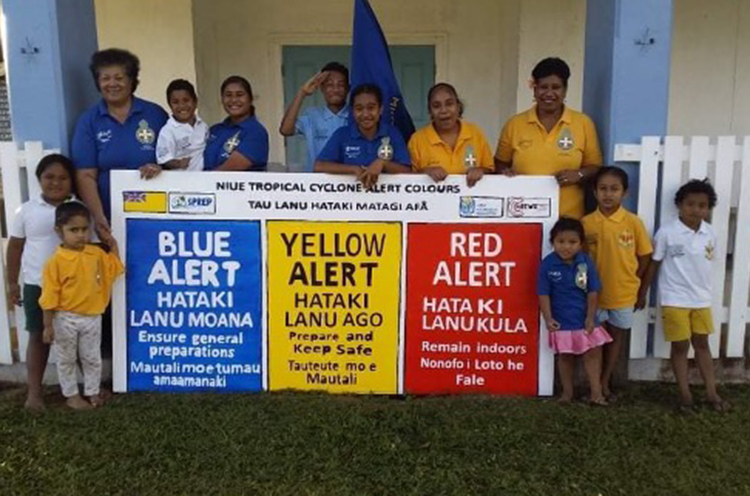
[[620, 246], [76, 286]]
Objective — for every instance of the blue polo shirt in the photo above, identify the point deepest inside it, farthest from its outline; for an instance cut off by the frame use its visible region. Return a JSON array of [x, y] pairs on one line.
[[317, 124], [348, 146], [249, 138], [101, 142], [567, 285]]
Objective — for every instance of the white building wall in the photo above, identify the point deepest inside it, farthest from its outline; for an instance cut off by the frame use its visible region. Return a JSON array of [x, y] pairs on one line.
[[487, 49], [159, 32], [552, 28], [709, 92]]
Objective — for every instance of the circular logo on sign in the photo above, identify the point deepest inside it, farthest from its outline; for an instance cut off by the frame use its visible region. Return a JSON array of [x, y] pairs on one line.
[[467, 205]]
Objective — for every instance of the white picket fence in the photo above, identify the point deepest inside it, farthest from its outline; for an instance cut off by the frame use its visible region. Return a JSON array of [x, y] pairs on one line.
[[663, 166], [727, 164]]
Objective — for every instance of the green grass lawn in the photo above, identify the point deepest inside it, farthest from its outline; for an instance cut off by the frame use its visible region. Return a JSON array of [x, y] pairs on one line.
[[323, 444]]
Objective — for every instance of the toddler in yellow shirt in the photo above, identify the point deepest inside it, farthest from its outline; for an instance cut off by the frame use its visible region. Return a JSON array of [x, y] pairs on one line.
[[76, 286], [620, 246]]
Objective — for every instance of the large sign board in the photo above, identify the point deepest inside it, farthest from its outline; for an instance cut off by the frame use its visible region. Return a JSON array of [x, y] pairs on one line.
[[263, 281]]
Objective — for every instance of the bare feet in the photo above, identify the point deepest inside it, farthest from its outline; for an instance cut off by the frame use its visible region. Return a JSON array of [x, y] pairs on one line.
[[34, 403], [96, 400], [565, 399], [598, 401], [78, 403], [719, 405]]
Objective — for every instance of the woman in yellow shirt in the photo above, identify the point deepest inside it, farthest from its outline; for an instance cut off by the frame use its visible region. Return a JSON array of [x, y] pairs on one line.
[[449, 145], [551, 139]]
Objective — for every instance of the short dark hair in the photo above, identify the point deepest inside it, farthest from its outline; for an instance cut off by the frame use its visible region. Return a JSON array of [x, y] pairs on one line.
[[235, 79], [450, 89], [567, 224], [115, 56], [696, 187], [551, 66], [337, 67], [55, 158], [367, 88], [181, 85], [66, 211], [611, 170]]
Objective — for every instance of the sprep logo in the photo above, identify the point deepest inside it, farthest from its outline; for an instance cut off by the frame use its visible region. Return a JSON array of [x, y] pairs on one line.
[[192, 203], [529, 207]]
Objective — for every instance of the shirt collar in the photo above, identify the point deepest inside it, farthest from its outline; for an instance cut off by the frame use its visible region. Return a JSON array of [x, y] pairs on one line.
[[434, 137], [566, 117], [579, 258], [228, 122], [174, 121], [41, 201], [72, 254], [382, 130], [703, 229], [617, 217], [342, 114], [136, 107]]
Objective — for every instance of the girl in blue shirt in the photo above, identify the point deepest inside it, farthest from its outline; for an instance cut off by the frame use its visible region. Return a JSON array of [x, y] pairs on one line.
[[240, 142], [367, 146], [568, 288]]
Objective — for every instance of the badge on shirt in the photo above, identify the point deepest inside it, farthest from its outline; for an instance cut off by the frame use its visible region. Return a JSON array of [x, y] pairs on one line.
[[626, 238], [144, 134], [232, 143], [565, 140], [582, 276], [352, 152], [104, 136], [385, 150], [470, 159], [676, 250], [710, 251]]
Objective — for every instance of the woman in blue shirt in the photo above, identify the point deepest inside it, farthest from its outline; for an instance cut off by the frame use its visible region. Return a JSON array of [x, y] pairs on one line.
[[239, 142], [119, 132], [367, 146]]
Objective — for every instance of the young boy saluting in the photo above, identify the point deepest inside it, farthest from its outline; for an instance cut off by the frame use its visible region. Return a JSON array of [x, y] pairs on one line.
[[317, 124]]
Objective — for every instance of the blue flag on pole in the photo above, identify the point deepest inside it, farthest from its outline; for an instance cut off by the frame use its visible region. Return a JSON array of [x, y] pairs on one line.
[[371, 63]]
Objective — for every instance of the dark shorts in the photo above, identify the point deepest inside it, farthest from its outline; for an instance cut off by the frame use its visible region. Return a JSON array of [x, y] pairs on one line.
[[32, 310]]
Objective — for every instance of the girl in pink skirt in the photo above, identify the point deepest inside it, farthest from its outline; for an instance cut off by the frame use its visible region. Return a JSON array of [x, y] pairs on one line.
[[568, 289]]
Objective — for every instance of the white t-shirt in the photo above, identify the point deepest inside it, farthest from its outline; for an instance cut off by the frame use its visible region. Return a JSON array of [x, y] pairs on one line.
[[181, 140], [687, 258], [35, 223]]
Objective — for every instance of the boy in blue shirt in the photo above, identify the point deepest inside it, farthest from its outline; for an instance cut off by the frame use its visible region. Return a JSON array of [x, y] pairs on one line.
[[317, 124]]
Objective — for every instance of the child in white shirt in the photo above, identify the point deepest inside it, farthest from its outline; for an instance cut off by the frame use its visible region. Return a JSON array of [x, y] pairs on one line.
[[684, 254], [183, 138]]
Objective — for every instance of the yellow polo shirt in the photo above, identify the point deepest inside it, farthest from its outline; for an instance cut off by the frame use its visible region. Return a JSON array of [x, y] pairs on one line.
[[79, 281], [472, 150], [571, 144], [615, 243]]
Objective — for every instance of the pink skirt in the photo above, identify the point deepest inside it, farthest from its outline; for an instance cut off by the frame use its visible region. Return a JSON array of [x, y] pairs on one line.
[[578, 342]]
